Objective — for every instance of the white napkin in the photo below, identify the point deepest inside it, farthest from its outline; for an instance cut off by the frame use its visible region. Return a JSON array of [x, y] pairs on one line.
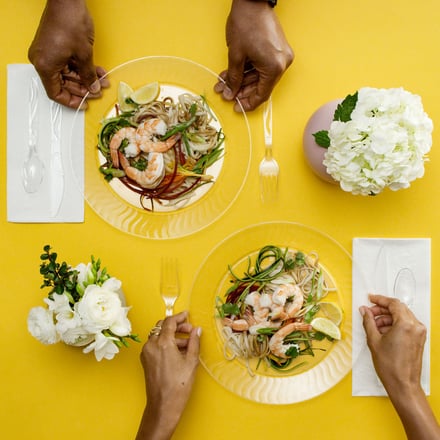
[[35, 207], [376, 264]]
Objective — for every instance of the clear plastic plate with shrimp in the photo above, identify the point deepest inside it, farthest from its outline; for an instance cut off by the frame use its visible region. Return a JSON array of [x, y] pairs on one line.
[[165, 154], [305, 376], [120, 205]]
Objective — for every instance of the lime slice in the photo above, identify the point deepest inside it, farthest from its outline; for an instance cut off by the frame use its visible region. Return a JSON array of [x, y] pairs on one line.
[[327, 327], [146, 94], [330, 310], [124, 92]]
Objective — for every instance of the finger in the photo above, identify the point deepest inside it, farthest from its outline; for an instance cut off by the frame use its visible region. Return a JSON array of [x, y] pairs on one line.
[[385, 329], [156, 330], [234, 76], [381, 300], [54, 89], [182, 343], [103, 77], [184, 328], [193, 348], [379, 311], [384, 321], [171, 324], [74, 87], [369, 324], [262, 93], [87, 72], [397, 309], [220, 84]]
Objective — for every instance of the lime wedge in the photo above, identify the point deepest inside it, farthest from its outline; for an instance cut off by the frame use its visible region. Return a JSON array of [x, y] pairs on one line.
[[330, 310], [146, 94], [124, 92], [327, 327]]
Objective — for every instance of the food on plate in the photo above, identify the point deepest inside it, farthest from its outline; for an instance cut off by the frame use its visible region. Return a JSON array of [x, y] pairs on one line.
[[160, 148], [275, 311]]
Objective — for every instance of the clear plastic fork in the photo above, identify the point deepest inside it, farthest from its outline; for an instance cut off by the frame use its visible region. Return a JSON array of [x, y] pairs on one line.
[[269, 168], [169, 283]]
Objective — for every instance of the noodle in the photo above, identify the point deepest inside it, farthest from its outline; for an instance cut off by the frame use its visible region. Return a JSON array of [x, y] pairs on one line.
[[197, 145], [283, 288]]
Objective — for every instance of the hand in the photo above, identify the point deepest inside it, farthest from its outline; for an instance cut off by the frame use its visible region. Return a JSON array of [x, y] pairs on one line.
[[396, 339], [170, 362], [62, 53], [258, 55]]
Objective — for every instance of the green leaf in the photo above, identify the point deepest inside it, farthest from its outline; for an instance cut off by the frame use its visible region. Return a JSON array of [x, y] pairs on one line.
[[322, 138], [292, 352], [345, 108], [230, 309], [266, 331]]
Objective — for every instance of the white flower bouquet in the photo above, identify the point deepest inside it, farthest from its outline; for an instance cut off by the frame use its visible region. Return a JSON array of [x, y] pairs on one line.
[[378, 138], [85, 307]]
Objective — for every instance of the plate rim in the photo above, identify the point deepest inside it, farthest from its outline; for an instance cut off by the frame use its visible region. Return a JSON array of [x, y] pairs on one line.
[[168, 228], [345, 345]]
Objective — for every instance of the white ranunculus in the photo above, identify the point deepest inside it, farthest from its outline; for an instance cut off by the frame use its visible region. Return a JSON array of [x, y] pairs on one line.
[[99, 308], [383, 145], [104, 347], [41, 325], [66, 320], [58, 303], [122, 325], [77, 336]]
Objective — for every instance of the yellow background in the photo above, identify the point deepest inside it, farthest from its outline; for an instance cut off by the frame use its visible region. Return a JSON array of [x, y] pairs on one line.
[[340, 45]]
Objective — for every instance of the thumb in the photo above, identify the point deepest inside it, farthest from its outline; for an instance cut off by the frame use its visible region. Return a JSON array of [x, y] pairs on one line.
[[88, 75], [369, 324]]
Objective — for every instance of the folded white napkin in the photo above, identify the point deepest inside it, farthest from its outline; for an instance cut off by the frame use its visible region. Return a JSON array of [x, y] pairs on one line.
[[37, 207], [377, 263]]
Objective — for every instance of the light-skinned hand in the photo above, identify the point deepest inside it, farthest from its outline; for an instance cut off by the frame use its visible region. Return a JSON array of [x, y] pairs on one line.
[[170, 362], [396, 339]]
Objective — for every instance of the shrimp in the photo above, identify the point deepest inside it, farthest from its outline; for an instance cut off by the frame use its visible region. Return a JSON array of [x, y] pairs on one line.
[[276, 345], [152, 176], [293, 307], [131, 150], [146, 139], [238, 325]]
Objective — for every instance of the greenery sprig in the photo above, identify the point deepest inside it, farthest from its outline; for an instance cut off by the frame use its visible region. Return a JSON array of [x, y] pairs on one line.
[[59, 276], [342, 113]]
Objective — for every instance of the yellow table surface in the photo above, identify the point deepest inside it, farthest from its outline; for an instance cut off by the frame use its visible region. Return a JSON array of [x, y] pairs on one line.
[[51, 392]]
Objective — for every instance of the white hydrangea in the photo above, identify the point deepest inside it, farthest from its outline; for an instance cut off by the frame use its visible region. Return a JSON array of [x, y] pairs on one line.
[[383, 145]]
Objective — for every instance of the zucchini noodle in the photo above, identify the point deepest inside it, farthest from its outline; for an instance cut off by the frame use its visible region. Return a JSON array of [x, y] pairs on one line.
[[196, 145]]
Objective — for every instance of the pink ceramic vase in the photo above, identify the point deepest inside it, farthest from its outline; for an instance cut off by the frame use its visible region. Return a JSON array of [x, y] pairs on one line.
[[314, 154]]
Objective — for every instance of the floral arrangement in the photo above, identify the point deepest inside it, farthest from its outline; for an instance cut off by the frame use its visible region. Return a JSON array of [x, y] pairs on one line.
[[84, 308], [378, 138]]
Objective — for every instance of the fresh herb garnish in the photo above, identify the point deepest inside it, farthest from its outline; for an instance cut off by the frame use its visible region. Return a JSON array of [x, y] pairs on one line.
[[342, 113]]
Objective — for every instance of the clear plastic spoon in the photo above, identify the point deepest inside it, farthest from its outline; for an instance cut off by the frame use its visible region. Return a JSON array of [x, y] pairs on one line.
[[405, 286], [33, 167]]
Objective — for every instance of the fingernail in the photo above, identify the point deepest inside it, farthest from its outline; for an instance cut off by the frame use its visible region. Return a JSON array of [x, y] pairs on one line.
[[95, 87], [227, 93], [362, 310], [199, 331]]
